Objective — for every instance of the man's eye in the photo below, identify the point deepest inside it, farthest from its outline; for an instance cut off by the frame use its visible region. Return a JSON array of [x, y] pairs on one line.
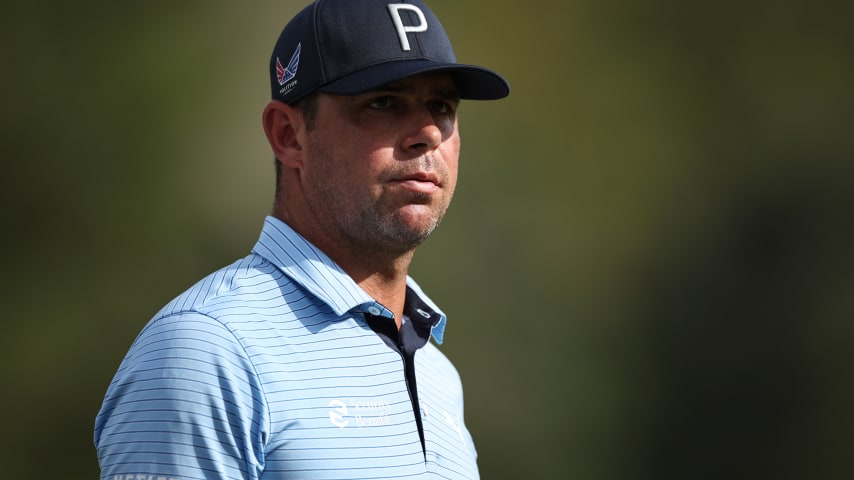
[[442, 107], [380, 103]]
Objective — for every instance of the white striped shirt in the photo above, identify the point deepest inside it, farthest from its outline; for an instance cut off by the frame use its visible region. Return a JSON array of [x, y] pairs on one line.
[[267, 369]]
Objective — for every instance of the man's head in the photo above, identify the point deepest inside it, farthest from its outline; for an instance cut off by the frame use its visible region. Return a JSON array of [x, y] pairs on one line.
[[345, 47], [363, 124]]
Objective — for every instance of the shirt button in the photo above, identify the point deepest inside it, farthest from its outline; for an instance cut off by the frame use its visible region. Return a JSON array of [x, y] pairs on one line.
[[374, 310]]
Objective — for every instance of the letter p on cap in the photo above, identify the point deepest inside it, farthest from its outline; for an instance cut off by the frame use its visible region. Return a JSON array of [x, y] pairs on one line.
[[394, 9]]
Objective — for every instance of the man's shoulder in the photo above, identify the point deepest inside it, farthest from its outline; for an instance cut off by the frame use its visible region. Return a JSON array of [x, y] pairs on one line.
[[248, 284]]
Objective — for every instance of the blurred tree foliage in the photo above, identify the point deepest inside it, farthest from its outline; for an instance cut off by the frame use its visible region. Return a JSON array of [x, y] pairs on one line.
[[647, 267]]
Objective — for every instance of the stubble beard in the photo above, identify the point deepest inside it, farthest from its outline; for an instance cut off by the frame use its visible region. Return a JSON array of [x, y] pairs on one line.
[[396, 235], [393, 231], [375, 226], [380, 229]]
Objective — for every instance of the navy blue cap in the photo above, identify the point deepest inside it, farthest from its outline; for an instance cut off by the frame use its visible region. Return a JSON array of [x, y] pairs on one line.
[[346, 47]]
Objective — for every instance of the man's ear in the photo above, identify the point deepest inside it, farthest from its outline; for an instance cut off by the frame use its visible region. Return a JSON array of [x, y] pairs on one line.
[[283, 125]]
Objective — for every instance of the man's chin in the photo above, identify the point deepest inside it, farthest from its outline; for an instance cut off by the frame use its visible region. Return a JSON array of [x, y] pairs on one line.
[[406, 235]]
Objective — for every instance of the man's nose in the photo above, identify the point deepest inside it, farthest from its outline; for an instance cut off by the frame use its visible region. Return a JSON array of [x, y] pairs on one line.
[[425, 133]]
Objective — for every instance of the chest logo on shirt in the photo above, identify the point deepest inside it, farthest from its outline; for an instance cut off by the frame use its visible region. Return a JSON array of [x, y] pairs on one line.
[[361, 413]]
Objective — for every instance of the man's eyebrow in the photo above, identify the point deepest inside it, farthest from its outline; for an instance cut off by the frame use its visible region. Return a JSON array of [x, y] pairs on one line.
[[450, 94]]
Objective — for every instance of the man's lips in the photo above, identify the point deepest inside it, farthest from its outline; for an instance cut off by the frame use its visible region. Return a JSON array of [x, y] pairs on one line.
[[420, 176], [422, 182]]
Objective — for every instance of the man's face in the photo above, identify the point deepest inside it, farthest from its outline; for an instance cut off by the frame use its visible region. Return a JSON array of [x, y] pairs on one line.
[[380, 168]]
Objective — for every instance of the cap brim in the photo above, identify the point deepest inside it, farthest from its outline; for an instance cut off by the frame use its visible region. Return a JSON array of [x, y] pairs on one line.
[[473, 82]]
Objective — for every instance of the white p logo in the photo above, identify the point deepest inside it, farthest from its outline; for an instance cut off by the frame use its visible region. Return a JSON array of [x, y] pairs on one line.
[[402, 30]]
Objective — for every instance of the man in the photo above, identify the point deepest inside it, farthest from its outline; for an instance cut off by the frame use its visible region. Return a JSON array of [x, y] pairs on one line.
[[310, 358]]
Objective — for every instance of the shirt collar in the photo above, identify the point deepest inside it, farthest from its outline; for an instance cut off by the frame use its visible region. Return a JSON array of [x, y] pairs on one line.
[[300, 260]]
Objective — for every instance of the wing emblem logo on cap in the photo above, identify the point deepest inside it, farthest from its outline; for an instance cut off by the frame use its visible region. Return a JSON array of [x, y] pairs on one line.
[[285, 75]]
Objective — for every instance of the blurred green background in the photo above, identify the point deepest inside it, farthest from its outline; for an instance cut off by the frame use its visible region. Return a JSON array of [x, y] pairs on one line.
[[648, 267]]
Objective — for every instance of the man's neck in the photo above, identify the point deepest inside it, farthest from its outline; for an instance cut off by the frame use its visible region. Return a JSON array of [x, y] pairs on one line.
[[387, 286], [382, 274]]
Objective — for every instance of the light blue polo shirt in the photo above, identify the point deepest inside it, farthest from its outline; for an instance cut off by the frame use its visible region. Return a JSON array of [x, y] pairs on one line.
[[267, 369]]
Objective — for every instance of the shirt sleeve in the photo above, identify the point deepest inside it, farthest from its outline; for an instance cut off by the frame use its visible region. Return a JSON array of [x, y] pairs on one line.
[[185, 404]]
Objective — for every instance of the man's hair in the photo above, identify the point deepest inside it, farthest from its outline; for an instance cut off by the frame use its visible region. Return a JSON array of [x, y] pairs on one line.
[[307, 106]]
